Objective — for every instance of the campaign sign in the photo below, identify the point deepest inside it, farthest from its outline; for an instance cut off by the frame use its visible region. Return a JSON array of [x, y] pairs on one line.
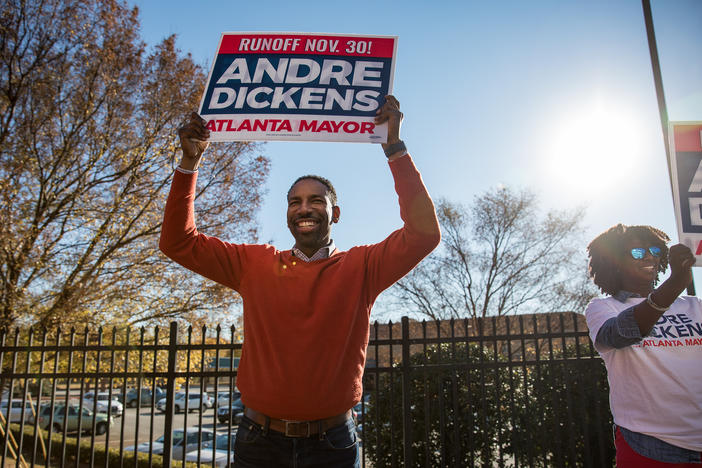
[[298, 86], [686, 165]]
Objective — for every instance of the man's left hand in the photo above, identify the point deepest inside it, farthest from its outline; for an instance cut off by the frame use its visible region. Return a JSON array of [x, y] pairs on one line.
[[390, 113]]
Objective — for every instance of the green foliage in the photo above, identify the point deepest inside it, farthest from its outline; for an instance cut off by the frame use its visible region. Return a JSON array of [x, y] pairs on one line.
[[452, 421], [564, 418], [471, 407]]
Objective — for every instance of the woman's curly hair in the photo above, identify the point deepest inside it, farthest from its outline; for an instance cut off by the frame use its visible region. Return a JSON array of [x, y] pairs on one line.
[[607, 249]]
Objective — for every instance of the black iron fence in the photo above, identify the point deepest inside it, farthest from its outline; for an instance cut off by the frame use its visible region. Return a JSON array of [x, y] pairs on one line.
[[512, 391], [519, 391]]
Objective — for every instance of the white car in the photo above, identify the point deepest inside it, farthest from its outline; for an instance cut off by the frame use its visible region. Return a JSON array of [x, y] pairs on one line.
[[103, 402], [223, 451], [223, 397], [196, 401], [16, 411], [184, 441]]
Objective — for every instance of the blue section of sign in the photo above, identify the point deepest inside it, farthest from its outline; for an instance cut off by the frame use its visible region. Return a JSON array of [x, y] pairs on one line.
[[354, 86], [687, 163]]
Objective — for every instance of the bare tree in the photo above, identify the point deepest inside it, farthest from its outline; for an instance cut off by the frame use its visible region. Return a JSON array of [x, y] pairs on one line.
[[498, 257], [88, 120]]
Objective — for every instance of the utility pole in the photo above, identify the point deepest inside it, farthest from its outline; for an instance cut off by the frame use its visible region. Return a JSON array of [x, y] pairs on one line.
[[660, 95]]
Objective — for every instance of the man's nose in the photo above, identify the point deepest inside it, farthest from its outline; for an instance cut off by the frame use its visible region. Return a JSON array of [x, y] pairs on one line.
[[304, 207]]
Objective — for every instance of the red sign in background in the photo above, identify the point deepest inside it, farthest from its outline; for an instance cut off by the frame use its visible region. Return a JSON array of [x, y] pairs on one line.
[[687, 137]]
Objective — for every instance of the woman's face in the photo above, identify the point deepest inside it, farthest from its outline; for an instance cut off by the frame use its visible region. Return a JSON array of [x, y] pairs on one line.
[[638, 275]]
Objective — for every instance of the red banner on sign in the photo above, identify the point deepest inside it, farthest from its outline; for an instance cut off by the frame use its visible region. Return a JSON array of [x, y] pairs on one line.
[[687, 137], [351, 46]]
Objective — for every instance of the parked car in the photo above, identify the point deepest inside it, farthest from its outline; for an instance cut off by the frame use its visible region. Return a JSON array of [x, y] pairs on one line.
[[223, 397], [102, 420], [235, 412], [184, 441], [16, 411], [223, 451], [103, 403], [196, 401], [146, 396]]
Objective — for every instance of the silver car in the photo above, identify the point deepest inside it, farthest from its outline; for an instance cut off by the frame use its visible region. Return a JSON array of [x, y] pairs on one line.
[[103, 403], [16, 411], [184, 441], [222, 448], [196, 401]]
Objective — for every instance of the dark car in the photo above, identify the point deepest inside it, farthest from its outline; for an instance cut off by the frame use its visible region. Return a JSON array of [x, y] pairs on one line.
[[235, 412], [147, 396]]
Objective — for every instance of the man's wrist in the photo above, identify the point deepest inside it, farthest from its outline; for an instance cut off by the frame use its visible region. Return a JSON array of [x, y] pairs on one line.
[[186, 171], [189, 164], [391, 149]]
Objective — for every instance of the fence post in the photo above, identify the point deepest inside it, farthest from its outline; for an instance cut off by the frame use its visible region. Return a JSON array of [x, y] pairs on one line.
[[170, 395], [406, 394]]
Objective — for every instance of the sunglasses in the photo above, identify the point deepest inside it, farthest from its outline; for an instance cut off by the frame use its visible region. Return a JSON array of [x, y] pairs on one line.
[[639, 252]]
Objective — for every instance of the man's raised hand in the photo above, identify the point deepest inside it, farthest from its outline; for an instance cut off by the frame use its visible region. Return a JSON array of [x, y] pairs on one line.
[[390, 113], [194, 138]]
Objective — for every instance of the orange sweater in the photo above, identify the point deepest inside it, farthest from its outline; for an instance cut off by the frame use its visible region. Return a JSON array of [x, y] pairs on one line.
[[306, 325]]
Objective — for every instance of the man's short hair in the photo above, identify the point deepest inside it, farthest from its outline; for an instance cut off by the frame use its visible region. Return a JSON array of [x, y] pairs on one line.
[[330, 188], [607, 250]]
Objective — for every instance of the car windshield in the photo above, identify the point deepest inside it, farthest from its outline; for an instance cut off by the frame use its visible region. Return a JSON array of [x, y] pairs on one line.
[[177, 438], [223, 442]]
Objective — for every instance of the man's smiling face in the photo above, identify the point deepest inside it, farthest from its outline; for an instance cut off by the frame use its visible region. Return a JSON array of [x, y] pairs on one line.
[[310, 215]]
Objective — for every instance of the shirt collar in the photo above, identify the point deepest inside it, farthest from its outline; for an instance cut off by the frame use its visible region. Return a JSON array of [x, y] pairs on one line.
[[324, 252], [623, 295]]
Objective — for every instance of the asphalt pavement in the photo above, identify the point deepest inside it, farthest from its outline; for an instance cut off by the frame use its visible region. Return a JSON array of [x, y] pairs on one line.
[[151, 427]]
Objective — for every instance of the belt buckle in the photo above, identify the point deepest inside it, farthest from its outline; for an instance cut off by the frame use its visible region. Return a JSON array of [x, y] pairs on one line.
[[290, 424]]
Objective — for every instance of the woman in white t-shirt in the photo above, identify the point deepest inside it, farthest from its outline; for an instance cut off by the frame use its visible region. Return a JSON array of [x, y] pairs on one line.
[[651, 342]]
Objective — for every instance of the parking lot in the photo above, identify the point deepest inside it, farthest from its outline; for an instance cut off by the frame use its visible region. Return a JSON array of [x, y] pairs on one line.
[[148, 431]]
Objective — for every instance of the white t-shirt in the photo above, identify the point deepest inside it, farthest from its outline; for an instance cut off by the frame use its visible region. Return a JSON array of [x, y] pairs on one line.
[[655, 387]]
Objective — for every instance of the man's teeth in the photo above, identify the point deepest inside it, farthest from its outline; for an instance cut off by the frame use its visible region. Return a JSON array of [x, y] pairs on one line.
[[306, 223]]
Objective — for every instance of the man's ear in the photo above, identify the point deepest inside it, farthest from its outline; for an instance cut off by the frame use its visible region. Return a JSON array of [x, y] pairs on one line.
[[336, 212]]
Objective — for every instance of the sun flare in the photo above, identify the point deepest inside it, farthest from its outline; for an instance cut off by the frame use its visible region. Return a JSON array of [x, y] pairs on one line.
[[591, 151]]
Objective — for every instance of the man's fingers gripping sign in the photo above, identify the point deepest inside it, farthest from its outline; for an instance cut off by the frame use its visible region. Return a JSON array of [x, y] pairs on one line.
[[194, 136]]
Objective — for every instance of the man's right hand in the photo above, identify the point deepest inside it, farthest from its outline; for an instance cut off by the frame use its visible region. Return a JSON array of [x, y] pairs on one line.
[[193, 141]]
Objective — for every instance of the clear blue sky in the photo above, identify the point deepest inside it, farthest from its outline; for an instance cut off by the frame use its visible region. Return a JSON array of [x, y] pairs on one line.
[[554, 96]]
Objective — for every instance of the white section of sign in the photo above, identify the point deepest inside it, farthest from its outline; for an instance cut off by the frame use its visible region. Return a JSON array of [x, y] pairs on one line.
[[304, 128]]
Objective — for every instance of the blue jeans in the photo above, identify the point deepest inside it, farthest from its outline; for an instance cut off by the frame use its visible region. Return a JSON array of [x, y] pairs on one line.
[[337, 447]]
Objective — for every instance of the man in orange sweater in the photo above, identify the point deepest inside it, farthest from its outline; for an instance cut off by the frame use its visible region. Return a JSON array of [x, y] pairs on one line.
[[306, 310]]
